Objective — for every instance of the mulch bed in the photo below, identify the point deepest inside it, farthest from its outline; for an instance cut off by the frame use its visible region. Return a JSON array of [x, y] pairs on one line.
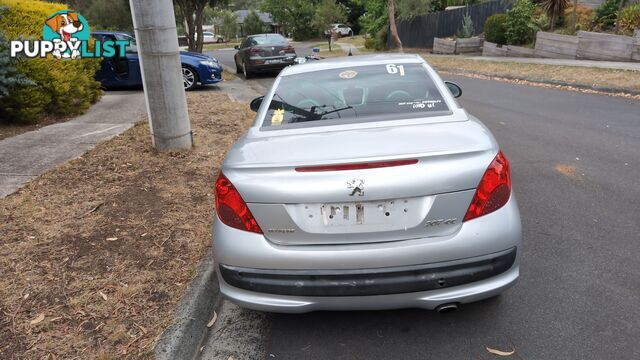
[[95, 255]]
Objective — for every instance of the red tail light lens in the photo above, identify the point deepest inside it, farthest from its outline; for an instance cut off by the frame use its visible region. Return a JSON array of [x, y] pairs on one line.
[[494, 189], [231, 209], [289, 49], [253, 51]]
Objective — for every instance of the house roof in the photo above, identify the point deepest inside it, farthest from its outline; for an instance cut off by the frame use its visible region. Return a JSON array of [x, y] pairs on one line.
[[264, 17]]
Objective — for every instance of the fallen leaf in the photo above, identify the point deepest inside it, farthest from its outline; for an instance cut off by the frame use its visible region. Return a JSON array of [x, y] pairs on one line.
[[213, 319], [104, 296], [112, 239], [37, 320], [26, 296], [500, 353]]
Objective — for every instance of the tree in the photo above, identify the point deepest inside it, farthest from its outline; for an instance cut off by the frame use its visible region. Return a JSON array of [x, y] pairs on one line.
[[109, 14], [293, 15], [554, 9], [392, 25], [192, 12], [253, 24], [229, 24], [329, 12], [408, 9]]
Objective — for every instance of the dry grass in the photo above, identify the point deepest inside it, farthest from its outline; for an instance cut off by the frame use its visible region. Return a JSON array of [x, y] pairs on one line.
[[624, 79], [216, 46], [95, 254]]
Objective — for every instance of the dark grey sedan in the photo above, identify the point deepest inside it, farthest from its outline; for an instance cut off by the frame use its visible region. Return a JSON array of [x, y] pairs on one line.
[[263, 52]]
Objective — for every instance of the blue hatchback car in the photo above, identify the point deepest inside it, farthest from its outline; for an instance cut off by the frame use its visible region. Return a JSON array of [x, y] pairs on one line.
[[123, 72]]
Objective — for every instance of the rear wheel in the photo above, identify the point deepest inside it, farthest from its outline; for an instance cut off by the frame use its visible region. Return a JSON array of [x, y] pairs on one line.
[[189, 78], [238, 68], [219, 40], [247, 74]]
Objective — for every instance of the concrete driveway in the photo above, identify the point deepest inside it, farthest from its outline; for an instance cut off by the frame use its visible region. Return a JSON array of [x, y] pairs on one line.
[[575, 163]]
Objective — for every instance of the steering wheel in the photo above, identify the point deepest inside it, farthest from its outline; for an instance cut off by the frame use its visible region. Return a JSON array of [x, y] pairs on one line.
[[307, 103], [405, 95]]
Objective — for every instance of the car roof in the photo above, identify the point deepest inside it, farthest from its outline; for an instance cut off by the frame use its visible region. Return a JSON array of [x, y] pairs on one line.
[[107, 32], [351, 61], [267, 34]]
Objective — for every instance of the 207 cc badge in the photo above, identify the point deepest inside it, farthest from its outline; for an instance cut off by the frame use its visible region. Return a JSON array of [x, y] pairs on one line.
[[356, 186]]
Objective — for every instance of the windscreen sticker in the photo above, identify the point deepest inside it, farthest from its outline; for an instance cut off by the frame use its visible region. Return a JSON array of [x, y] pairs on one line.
[[349, 74], [277, 117], [393, 69], [420, 104]]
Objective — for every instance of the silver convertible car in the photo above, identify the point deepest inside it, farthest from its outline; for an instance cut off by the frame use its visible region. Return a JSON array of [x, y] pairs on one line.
[[364, 185]]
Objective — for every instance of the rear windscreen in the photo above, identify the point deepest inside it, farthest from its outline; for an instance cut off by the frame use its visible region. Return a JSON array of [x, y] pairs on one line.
[[269, 39], [354, 94]]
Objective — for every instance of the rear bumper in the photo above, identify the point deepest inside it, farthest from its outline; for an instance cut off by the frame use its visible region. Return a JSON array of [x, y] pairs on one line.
[[366, 282], [254, 66], [488, 237]]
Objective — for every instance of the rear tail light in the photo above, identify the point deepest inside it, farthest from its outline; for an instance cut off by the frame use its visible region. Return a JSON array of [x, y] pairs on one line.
[[231, 209], [494, 189], [289, 49], [254, 51]]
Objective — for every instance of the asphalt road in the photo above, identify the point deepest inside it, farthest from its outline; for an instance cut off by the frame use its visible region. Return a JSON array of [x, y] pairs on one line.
[[575, 161]]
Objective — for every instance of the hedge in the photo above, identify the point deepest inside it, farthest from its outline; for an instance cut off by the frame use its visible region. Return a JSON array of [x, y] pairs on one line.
[[60, 87]]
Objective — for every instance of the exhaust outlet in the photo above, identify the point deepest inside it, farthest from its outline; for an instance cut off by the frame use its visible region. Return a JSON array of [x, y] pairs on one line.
[[447, 308]]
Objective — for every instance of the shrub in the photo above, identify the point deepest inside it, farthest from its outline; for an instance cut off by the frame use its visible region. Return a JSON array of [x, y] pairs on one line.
[[629, 19], [467, 30], [518, 30], [63, 87], [605, 15], [495, 29], [378, 41]]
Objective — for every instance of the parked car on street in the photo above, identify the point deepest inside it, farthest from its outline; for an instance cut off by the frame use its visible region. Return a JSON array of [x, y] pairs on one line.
[[263, 52], [123, 72], [340, 29], [363, 184], [209, 37]]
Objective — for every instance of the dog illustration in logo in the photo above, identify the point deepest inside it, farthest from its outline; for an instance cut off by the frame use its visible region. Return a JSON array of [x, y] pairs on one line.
[[66, 25]]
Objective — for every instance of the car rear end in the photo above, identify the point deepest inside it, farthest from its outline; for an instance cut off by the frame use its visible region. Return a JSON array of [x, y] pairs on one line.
[[269, 52], [416, 212]]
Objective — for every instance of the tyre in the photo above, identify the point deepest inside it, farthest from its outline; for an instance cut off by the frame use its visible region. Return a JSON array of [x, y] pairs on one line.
[[189, 78], [219, 41], [247, 74], [238, 68]]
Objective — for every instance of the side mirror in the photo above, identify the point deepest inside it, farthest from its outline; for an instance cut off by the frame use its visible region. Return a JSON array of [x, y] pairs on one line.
[[237, 47], [255, 103], [455, 89]]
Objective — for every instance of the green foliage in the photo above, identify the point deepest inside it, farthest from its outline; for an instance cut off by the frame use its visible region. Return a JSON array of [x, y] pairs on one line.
[[294, 16], [375, 19], [467, 30], [55, 86], [540, 23], [228, 24], [605, 15], [378, 41], [109, 14], [518, 29], [495, 29], [554, 10], [10, 78], [461, 2], [252, 24], [329, 12], [408, 9], [629, 19]]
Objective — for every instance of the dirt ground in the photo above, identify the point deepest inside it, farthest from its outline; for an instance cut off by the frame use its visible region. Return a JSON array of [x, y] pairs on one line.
[[95, 254], [624, 79], [8, 130]]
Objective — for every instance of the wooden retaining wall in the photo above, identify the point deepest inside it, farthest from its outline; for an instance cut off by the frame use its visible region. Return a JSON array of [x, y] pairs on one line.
[[519, 51], [556, 46], [444, 46], [492, 49], [599, 46], [469, 45], [635, 55]]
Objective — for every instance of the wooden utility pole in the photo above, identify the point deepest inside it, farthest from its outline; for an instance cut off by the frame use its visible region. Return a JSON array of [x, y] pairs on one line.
[[157, 39]]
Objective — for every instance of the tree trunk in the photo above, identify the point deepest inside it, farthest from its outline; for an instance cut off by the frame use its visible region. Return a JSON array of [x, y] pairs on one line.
[[620, 7], [574, 15], [198, 27], [392, 25], [553, 21]]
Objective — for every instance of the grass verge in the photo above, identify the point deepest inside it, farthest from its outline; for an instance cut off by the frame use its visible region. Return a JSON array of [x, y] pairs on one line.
[[606, 78], [228, 45], [95, 254]]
